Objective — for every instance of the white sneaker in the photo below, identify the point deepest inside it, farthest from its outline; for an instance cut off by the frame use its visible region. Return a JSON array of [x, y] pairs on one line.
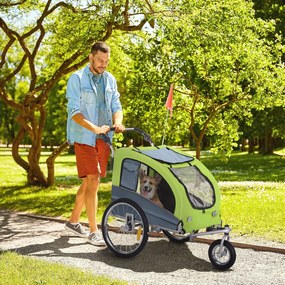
[[96, 239], [77, 229]]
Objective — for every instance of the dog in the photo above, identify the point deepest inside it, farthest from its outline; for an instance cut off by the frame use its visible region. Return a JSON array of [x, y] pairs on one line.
[[149, 187]]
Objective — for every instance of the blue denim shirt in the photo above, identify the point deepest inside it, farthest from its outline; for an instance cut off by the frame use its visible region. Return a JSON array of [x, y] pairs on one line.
[[81, 96]]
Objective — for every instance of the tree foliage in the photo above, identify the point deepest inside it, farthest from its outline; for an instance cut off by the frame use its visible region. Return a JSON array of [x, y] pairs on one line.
[[221, 62], [224, 61], [264, 126], [50, 39]]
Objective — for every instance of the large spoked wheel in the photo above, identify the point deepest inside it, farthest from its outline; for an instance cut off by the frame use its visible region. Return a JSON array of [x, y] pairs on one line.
[[125, 228], [175, 237], [222, 257]]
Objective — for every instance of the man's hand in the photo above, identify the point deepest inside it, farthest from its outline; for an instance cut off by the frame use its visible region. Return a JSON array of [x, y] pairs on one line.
[[102, 130], [119, 128]]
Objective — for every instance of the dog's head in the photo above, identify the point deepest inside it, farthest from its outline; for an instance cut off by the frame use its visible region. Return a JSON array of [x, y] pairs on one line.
[[148, 185]]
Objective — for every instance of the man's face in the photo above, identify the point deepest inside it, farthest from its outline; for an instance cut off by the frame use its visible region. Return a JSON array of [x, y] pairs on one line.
[[99, 62]]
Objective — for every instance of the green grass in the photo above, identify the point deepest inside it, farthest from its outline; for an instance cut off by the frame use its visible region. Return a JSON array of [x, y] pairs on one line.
[[255, 209], [55, 201], [253, 204], [247, 167], [17, 270], [252, 209]]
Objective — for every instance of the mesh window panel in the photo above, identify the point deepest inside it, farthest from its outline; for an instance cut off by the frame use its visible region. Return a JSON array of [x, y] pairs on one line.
[[200, 190]]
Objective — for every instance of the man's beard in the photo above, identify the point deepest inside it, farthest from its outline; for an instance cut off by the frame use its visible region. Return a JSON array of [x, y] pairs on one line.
[[99, 70]]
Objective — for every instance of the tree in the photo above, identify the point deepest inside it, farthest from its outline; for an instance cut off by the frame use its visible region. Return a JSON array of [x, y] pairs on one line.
[[53, 42], [55, 128], [272, 10], [149, 81], [222, 64], [268, 124], [265, 129]]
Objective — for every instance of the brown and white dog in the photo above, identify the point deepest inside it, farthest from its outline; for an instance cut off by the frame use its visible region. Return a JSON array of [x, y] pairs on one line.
[[149, 186]]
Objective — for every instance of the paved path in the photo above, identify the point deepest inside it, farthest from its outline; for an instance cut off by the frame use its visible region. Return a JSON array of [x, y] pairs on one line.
[[161, 262]]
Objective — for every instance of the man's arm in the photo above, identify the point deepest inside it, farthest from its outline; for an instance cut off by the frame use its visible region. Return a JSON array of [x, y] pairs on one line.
[[83, 122], [118, 122]]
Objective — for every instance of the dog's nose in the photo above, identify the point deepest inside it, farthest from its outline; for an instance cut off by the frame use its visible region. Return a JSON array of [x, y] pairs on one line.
[[146, 189]]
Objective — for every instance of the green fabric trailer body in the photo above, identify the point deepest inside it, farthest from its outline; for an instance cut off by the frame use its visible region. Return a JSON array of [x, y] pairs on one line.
[[188, 191]]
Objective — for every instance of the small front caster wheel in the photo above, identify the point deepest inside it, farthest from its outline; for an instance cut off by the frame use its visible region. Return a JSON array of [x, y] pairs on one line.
[[222, 256]]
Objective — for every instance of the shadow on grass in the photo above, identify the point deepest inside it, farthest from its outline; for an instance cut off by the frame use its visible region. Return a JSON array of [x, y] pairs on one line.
[[51, 202]]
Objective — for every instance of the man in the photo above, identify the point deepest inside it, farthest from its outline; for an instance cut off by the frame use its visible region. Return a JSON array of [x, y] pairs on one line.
[[93, 107]]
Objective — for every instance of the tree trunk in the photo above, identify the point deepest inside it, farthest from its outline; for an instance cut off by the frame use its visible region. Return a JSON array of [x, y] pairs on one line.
[[251, 145], [261, 145], [15, 150], [198, 149], [268, 143], [243, 144], [50, 162]]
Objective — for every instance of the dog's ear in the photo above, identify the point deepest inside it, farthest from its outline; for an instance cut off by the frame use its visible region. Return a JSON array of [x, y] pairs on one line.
[[141, 173], [157, 178]]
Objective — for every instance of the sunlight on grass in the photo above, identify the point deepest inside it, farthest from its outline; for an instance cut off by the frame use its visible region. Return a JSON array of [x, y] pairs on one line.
[[255, 209], [242, 166], [28, 270], [280, 152], [252, 187], [55, 201]]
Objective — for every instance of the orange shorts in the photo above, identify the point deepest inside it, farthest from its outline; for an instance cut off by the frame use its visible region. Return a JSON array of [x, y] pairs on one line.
[[92, 159]]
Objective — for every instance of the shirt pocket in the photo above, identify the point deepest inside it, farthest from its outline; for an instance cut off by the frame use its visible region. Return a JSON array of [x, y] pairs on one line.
[[87, 96]]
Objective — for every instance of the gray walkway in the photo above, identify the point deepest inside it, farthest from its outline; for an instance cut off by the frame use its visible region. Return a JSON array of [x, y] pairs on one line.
[[161, 262]]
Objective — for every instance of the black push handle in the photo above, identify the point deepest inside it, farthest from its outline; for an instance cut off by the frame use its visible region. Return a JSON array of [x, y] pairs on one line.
[[145, 135]]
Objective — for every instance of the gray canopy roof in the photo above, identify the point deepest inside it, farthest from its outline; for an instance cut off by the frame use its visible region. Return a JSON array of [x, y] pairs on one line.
[[167, 155]]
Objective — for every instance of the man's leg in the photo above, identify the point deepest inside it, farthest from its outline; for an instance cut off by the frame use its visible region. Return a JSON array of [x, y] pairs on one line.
[[88, 169], [91, 204], [73, 223], [91, 200], [79, 202]]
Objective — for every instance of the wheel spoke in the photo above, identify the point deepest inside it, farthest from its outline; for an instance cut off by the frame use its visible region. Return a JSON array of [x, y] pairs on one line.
[[125, 228]]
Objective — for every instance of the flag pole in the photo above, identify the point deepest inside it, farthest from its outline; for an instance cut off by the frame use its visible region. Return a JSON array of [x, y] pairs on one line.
[[168, 106], [165, 125]]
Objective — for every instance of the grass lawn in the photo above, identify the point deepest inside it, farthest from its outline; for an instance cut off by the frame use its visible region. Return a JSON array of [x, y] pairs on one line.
[[252, 187], [253, 203], [247, 167], [253, 193], [30, 271]]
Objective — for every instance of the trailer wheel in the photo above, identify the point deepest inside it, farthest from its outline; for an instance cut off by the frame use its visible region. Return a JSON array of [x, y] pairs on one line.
[[125, 228], [222, 257], [175, 237]]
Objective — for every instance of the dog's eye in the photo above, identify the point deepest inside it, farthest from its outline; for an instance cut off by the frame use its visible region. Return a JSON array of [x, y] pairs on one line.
[[150, 182]]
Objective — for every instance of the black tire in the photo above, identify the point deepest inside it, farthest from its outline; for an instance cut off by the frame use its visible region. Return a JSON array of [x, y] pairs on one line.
[[125, 228], [222, 260], [178, 238]]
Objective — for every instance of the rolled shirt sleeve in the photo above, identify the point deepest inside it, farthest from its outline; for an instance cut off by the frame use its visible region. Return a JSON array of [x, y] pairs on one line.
[[73, 95]]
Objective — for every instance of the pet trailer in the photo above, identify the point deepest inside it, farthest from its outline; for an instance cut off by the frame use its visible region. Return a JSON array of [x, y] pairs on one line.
[[189, 202]]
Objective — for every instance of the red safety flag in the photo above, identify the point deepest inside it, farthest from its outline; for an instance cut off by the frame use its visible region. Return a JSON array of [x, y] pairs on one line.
[[169, 101]]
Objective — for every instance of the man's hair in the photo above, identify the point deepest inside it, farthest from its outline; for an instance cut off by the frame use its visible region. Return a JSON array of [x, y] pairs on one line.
[[100, 46]]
